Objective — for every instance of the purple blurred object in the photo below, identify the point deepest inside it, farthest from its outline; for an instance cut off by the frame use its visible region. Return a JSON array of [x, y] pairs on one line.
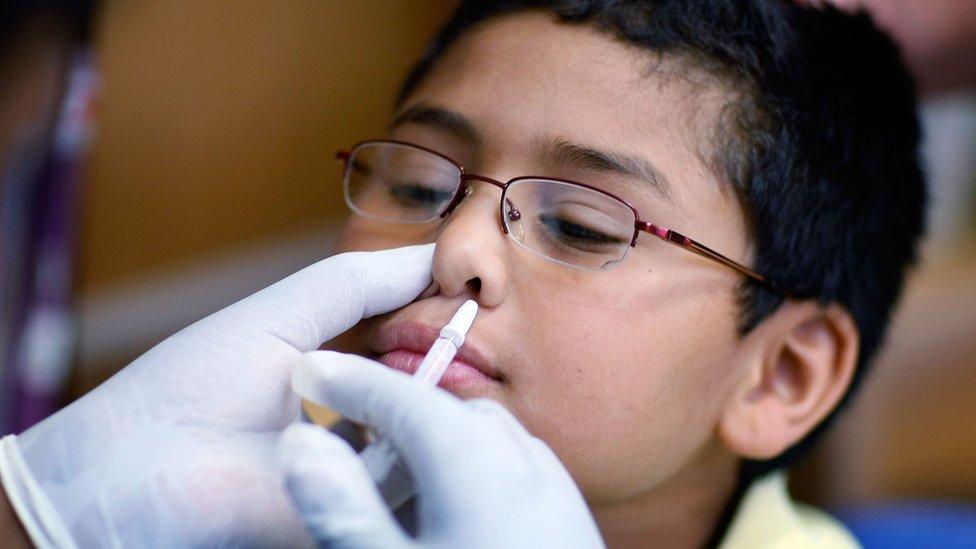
[[40, 223]]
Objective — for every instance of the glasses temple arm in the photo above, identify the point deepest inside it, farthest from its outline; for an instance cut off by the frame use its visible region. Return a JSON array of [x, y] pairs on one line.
[[683, 241]]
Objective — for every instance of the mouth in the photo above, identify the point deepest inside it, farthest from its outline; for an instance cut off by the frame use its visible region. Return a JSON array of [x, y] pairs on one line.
[[402, 346]]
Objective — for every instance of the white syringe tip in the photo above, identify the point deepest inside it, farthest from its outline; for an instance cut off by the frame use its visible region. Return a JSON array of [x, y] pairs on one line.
[[464, 317], [460, 323]]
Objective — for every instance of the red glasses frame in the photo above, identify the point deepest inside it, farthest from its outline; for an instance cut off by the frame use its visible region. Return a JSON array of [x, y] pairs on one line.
[[665, 234]]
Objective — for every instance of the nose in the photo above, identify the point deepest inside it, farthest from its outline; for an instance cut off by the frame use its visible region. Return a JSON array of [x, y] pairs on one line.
[[470, 258]]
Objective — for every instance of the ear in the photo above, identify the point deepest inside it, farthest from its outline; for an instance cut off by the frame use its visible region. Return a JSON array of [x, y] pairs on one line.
[[798, 364]]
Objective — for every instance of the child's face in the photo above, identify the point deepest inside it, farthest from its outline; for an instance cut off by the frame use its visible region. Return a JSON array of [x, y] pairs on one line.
[[623, 372]]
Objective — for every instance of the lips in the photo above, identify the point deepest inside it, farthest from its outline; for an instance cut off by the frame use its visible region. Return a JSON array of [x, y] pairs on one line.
[[402, 346]]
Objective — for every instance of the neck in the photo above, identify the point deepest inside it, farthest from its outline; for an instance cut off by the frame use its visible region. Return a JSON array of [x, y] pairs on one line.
[[682, 512]]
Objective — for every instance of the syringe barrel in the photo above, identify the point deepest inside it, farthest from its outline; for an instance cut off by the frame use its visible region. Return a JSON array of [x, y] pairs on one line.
[[381, 456], [435, 362]]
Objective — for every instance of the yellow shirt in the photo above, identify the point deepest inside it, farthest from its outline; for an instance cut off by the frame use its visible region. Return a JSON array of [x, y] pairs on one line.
[[767, 518]]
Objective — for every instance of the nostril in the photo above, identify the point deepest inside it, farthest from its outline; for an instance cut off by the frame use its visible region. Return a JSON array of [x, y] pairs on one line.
[[474, 285]]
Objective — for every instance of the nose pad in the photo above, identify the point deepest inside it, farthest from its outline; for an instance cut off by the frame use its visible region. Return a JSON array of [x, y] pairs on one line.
[[513, 220], [467, 191]]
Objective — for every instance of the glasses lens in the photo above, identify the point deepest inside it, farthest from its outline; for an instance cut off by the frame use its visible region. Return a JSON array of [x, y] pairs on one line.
[[568, 223], [400, 183]]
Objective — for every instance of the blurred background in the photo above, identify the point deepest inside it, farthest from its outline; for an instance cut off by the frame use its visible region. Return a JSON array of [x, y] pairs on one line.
[[214, 171], [213, 175]]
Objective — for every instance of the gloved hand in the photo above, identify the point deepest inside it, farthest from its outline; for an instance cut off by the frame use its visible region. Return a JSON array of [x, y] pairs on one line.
[[481, 478], [178, 449]]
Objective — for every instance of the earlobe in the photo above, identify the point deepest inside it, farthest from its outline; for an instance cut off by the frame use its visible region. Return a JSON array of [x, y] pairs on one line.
[[799, 365]]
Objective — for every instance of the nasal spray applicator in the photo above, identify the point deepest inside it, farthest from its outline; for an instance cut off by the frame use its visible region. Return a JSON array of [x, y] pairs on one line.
[[381, 456]]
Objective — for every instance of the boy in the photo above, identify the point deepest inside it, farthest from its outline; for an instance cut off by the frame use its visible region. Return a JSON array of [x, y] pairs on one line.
[[566, 156]]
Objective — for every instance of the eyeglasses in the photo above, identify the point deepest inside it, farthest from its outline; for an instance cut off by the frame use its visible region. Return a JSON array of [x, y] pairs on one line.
[[563, 221]]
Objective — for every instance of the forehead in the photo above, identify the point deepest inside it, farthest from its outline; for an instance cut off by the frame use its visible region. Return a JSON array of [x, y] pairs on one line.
[[527, 74]]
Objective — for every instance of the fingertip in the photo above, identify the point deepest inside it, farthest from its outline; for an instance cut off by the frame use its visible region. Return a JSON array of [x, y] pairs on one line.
[[294, 437], [299, 440], [316, 371], [423, 254], [396, 277], [308, 377], [306, 450]]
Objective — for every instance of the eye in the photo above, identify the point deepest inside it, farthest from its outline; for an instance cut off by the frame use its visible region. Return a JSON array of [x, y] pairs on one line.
[[360, 168], [415, 194], [577, 235]]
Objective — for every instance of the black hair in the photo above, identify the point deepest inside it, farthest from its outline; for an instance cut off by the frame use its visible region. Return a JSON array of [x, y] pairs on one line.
[[820, 144]]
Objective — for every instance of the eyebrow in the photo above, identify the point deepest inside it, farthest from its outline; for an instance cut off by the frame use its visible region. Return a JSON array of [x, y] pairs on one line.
[[441, 119], [556, 152], [589, 158]]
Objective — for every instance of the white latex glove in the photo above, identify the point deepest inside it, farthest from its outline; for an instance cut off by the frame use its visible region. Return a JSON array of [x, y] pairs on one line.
[[481, 478], [178, 449]]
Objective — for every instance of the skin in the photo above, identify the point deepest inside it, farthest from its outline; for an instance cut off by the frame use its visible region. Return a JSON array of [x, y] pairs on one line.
[[635, 376], [12, 533]]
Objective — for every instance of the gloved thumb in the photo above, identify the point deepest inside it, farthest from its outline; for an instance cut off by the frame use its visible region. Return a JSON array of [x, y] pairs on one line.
[[333, 492]]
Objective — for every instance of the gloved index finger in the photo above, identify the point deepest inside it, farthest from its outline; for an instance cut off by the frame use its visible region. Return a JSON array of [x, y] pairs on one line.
[[329, 297], [427, 425]]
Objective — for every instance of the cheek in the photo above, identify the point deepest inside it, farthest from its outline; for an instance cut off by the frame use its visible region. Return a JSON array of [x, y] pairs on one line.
[[360, 234], [624, 381]]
